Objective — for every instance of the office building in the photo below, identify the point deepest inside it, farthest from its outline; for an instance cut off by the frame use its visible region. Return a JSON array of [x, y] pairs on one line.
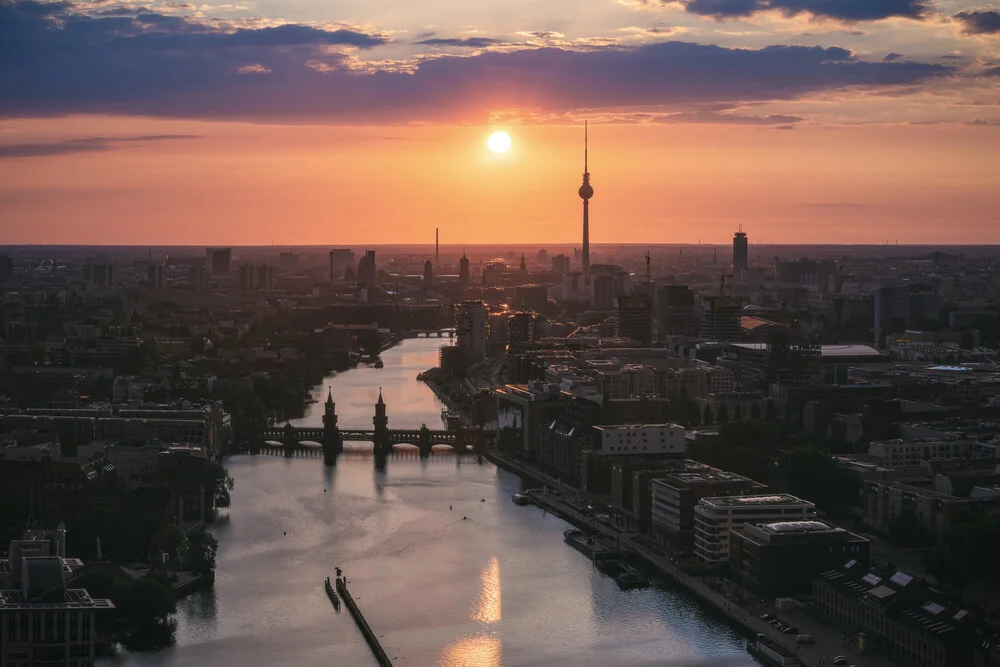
[[635, 318], [340, 260], [935, 510], [256, 277], [902, 618], [560, 264], [218, 260], [367, 274], [641, 439], [43, 621], [521, 328], [720, 318], [604, 292], [99, 276], [675, 495], [6, 268], [471, 326], [428, 273], [781, 559], [715, 517], [675, 311], [741, 255]]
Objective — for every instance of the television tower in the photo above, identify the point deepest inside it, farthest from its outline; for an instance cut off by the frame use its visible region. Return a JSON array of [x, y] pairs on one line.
[[586, 192]]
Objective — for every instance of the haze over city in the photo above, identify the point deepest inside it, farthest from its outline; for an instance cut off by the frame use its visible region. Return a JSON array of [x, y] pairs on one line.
[[348, 122]]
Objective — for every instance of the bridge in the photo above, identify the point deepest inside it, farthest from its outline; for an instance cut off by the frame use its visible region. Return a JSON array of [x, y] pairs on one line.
[[329, 439], [430, 333]]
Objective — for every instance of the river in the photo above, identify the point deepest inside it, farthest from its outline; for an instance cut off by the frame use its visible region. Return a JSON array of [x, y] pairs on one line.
[[497, 588]]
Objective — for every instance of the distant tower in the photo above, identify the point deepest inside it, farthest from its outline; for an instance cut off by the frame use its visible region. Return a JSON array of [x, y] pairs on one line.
[[741, 255], [428, 272], [586, 192], [463, 270], [522, 272], [437, 247]]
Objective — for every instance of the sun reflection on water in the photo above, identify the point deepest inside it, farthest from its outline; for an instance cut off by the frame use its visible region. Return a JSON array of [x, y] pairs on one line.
[[483, 649]]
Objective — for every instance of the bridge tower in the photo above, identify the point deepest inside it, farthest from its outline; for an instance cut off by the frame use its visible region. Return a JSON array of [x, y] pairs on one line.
[[333, 446], [290, 439], [424, 442], [380, 435]]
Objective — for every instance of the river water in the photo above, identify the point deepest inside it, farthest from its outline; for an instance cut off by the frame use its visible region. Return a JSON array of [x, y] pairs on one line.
[[496, 588]]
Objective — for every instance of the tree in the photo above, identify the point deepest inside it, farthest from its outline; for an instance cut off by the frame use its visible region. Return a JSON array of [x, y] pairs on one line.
[[146, 602], [906, 529], [202, 548]]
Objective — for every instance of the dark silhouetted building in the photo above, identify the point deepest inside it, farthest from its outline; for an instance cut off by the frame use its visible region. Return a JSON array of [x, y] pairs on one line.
[[781, 559], [340, 260], [367, 272], [675, 310], [560, 264], [428, 272], [256, 277], [463, 271], [741, 254], [99, 276], [586, 191], [6, 267], [531, 297], [720, 319], [635, 318], [219, 260]]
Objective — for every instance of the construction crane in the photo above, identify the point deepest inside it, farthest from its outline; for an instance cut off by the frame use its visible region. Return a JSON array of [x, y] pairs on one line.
[[722, 283]]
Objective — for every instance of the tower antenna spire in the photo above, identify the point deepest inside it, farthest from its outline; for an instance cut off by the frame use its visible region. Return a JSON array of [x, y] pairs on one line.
[[586, 132]]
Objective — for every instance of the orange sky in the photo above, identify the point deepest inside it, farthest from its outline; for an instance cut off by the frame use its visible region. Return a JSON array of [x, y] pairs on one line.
[[238, 183]]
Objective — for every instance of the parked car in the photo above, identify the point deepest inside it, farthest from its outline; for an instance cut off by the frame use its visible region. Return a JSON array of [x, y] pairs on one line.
[[805, 639], [840, 660], [766, 616]]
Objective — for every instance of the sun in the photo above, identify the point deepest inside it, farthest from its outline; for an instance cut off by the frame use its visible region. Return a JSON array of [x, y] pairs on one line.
[[498, 142]]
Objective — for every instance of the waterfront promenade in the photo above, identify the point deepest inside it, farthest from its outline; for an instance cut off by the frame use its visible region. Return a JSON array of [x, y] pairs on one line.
[[829, 641]]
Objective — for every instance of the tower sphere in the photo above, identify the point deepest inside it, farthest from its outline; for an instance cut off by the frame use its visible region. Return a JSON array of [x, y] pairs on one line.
[[586, 191]]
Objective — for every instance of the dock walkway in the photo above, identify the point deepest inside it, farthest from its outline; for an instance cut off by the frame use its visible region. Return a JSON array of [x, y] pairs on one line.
[[366, 630]]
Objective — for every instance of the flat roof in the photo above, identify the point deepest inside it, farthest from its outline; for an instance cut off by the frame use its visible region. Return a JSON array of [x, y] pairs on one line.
[[749, 501], [855, 350]]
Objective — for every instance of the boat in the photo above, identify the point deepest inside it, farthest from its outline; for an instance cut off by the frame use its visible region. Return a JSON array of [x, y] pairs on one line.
[[379, 363], [626, 576], [521, 499], [589, 545], [772, 653]]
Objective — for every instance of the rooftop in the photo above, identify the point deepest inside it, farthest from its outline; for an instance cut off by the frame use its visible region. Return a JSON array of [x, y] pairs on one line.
[[750, 501]]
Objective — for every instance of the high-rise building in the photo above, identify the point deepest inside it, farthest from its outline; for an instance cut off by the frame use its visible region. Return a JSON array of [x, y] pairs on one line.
[[586, 191], [720, 319], [741, 255], [635, 318], [560, 264], [256, 277], [470, 322], [99, 276], [428, 272], [367, 272], [218, 260], [463, 271], [6, 267], [155, 275], [675, 310], [340, 260], [520, 328], [604, 292], [522, 271]]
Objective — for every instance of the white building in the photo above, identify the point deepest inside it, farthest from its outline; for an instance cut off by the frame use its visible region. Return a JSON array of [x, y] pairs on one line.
[[715, 517], [895, 453], [641, 439], [470, 322]]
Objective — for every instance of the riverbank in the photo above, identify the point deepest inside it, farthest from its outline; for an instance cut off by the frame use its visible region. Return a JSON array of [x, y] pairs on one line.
[[829, 641]]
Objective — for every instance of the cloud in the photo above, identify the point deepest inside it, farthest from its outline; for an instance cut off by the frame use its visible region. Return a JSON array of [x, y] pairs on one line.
[[702, 116], [981, 22], [63, 62], [471, 42], [892, 56], [849, 11], [82, 145]]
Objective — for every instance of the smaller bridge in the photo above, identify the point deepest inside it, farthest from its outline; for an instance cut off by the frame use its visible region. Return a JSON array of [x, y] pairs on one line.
[[329, 440], [430, 333]]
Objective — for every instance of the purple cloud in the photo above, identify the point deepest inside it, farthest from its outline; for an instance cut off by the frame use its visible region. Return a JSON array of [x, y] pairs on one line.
[[983, 22], [841, 10], [179, 67]]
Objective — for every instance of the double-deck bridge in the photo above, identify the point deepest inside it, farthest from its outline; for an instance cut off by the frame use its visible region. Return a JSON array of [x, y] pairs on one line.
[[299, 440]]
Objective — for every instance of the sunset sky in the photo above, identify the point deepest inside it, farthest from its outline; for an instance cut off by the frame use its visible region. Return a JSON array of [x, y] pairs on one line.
[[365, 121]]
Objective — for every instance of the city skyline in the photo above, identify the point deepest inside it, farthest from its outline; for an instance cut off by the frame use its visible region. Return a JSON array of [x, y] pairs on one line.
[[238, 124]]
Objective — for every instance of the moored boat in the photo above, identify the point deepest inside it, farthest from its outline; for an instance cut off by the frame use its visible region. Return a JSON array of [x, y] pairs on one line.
[[772, 653]]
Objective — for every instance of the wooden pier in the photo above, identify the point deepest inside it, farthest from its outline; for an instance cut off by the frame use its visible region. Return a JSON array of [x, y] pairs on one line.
[[359, 618]]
